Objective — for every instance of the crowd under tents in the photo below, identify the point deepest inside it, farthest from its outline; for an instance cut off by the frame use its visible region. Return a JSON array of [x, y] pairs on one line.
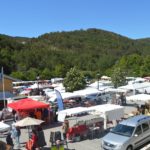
[[139, 99]]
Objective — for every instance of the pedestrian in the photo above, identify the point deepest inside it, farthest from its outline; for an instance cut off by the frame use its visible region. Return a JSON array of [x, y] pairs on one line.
[[15, 134], [65, 128], [34, 139], [18, 134], [9, 141], [41, 138]]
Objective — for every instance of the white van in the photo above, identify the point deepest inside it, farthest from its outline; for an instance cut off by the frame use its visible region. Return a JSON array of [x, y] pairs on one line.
[[128, 134]]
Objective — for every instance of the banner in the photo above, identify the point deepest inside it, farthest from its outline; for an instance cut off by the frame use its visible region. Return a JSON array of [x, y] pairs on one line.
[[59, 101]]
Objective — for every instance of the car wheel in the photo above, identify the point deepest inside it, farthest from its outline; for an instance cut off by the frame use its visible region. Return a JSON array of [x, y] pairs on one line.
[[129, 148]]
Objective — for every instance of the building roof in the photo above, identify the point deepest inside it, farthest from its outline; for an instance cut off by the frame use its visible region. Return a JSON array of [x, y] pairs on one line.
[[11, 78]]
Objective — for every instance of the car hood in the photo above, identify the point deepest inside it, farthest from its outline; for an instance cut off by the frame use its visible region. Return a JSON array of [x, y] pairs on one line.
[[115, 138]]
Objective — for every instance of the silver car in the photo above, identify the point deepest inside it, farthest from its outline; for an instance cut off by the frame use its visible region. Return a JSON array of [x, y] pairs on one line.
[[128, 134]]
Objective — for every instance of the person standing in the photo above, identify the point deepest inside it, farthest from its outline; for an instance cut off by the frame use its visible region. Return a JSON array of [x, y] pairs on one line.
[[65, 128], [15, 134], [41, 138], [34, 139], [18, 136]]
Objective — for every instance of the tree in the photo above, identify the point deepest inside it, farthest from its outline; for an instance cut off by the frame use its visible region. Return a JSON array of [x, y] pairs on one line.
[[74, 80], [118, 77]]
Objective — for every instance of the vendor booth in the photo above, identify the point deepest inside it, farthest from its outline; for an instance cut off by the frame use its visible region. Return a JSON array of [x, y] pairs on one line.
[[28, 107], [139, 99], [109, 112], [81, 123]]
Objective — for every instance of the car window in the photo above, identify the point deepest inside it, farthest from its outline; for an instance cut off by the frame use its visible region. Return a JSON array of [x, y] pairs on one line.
[[123, 130], [145, 126], [138, 130]]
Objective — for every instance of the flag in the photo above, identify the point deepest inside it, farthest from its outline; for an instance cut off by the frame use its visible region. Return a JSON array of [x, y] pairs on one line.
[[59, 100]]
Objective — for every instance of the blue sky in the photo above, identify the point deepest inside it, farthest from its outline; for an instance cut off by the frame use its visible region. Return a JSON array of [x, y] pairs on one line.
[[31, 18]]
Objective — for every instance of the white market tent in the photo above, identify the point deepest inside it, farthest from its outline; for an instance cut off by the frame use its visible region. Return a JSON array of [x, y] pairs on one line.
[[136, 86], [108, 111], [71, 112], [65, 95], [138, 99], [116, 90]]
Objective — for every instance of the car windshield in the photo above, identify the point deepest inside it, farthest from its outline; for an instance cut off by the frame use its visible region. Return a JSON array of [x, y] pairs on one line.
[[123, 130]]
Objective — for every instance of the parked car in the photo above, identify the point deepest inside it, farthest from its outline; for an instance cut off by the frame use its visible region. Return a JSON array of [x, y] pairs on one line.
[[128, 134]]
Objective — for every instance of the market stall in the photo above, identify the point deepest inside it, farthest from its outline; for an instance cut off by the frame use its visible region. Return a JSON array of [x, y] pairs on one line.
[[109, 112], [71, 112], [29, 107], [139, 99], [81, 123], [26, 104]]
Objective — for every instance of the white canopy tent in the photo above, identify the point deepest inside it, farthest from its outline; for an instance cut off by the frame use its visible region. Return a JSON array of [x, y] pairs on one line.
[[116, 90], [139, 99], [108, 111], [71, 112], [136, 86], [65, 95]]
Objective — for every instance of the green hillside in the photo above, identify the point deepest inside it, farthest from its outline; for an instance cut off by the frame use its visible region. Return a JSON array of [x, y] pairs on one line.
[[92, 51]]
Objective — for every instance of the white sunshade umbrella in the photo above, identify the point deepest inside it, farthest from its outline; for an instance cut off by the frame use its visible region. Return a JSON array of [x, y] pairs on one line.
[[28, 121], [4, 127]]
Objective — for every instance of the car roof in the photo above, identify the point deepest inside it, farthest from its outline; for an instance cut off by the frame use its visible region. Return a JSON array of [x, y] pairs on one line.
[[134, 121]]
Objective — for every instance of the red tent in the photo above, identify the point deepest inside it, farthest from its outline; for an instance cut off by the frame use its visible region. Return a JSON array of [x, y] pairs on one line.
[[26, 104]]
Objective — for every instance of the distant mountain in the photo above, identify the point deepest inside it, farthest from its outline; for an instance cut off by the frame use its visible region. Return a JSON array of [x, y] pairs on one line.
[[90, 50]]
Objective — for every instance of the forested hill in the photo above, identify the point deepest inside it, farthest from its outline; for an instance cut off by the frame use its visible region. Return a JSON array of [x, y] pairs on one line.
[[53, 54]]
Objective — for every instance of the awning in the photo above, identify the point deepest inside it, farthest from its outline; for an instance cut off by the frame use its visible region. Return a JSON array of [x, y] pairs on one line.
[[138, 99]]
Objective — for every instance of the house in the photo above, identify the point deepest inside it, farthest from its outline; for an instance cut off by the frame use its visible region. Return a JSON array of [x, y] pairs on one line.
[[8, 86]]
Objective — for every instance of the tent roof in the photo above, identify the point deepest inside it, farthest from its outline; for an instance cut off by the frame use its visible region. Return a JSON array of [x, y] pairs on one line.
[[26, 104], [73, 111], [142, 97]]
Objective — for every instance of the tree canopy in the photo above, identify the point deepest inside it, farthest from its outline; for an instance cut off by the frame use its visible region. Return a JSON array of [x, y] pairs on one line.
[[74, 80], [91, 50]]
